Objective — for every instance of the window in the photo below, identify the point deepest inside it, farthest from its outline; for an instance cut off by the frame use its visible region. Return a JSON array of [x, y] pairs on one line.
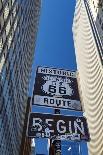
[[14, 11], [102, 26], [0, 4], [15, 24], [12, 1], [1, 44], [100, 21], [6, 12], [7, 27], [2, 61]]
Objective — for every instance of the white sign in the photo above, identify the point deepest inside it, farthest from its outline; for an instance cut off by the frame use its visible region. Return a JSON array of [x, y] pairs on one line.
[[55, 71], [56, 88], [57, 102]]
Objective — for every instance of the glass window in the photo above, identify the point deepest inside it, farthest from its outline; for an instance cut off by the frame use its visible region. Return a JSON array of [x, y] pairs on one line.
[[8, 28], [0, 4], [1, 44], [14, 11], [12, 1], [2, 61], [102, 26], [6, 12], [15, 24], [100, 21]]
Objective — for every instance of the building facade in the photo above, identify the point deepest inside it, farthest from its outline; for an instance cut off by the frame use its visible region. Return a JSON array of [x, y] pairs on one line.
[[88, 41], [18, 31]]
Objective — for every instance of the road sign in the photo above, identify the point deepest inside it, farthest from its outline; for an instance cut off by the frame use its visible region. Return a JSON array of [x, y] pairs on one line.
[[57, 127], [56, 88]]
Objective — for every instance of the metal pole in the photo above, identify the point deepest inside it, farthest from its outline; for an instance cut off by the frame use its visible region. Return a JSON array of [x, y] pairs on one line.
[[57, 142]]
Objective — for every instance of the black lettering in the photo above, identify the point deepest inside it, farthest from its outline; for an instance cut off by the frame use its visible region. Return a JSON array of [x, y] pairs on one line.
[[51, 101], [59, 72], [64, 73], [64, 103], [72, 74], [46, 100], [54, 71], [52, 89], [43, 70], [68, 102], [62, 90], [50, 71], [58, 102]]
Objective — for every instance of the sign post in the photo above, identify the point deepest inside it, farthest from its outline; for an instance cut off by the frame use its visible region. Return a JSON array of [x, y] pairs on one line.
[[57, 143], [57, 147], [57, 88]]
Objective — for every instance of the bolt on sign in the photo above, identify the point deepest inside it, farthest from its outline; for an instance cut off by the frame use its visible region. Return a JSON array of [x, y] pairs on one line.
[[56, 88], [57, 127]]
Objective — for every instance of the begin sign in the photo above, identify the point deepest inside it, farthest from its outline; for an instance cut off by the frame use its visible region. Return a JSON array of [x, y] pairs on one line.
[[57, 127]]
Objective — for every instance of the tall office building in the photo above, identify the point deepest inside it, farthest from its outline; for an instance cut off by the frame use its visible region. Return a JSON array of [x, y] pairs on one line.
[[88, 40], [18, 30]]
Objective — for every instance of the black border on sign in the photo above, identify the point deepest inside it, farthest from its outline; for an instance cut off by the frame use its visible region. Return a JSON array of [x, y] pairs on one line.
[[58, 107], [81, 110], [60, 115]]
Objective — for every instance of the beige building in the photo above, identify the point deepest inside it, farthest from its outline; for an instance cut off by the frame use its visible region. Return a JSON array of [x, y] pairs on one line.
[[88, 39]]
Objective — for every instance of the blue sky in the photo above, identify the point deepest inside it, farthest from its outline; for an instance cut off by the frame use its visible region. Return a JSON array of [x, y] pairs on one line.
[[55, 46], [54, 43]]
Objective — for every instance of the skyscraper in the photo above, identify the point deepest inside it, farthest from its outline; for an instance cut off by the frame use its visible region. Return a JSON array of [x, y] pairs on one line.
[[88, 40], [18, 30]]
